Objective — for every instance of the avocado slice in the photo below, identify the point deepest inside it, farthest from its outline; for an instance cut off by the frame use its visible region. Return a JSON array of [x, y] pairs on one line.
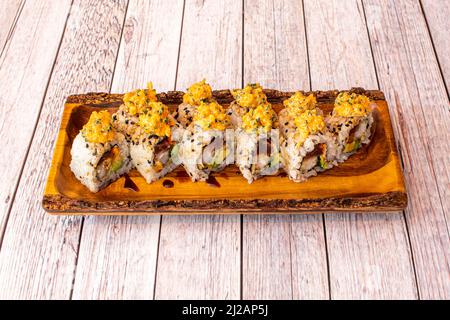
[[355, 145], [219, 157], [322, 162], [116, 164]]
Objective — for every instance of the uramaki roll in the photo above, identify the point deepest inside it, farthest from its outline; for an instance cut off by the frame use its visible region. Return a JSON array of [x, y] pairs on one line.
[[154, 146], [257, 138], [306, 145], [206, 146], [351, 122], [100, 154]]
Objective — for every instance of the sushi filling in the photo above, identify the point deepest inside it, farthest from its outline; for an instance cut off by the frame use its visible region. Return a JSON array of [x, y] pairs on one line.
[[163, 153], [317, 157], [109, 163], [351, 121], [214, 155], [268, 158]]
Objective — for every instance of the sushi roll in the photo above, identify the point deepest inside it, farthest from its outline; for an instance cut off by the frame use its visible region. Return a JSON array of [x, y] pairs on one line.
[[100, 154], [154, 145], [257, 136], [351, 122], [125, 120], [306, 145], [207, 146], [197, 93]]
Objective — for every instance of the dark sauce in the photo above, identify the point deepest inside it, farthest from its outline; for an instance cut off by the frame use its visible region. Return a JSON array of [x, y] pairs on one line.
[[129, 184], [212, 181], [182, 176], [168, 184]]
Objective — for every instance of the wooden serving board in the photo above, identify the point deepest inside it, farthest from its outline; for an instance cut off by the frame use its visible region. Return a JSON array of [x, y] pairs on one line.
[[370, 180]]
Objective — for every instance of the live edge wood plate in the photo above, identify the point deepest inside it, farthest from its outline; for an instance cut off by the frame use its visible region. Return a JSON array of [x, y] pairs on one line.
[[370, 180]]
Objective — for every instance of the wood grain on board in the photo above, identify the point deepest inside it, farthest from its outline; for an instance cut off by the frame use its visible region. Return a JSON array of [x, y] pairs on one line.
[[408, 73], [117, 255], [25, 66], [199, 256], [368, 256], [436, 14], [39, 252]]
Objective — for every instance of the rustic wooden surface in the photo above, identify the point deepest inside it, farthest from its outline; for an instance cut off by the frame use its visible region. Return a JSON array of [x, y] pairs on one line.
[[51, 51]]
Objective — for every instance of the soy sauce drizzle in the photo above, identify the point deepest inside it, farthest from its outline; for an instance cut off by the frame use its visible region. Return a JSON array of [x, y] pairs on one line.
[[129, 184], [212, 181], [168, 184]]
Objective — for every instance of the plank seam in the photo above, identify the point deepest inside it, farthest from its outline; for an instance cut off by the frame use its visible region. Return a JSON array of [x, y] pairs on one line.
[[83, 218], [327, 256], [323, 216], [307, 47], [421, 133], [241, 257], [275, 43], [19, 178], [118, 47], [399, 148], [434, 47], [242, 44], [161, 217], [179, 47], [241, 220], [13, 26], [76, 259], [157, 257], [412, 255], [290, 255]]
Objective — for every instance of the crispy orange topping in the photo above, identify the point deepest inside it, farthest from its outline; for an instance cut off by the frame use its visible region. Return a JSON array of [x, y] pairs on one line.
[[299, 103], [137, 100], [251, 96], [98, 129], [351, 105], [211, 115], [198, 92], [261, 116], [308, 123], [156, 120]]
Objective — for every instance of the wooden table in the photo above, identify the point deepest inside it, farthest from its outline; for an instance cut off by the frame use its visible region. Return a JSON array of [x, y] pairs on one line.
[[52, 49]]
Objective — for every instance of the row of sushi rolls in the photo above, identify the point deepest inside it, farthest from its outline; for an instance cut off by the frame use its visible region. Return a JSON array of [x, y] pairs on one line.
[[204, 137]]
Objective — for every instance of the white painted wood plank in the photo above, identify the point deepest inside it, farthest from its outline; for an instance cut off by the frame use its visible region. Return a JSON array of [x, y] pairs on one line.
[[149, 47], [9, 14], [284, 256], [117, 257], [409, 75], [199, 256], [25, 68], [39, 251], [437, 13], [369, 255]]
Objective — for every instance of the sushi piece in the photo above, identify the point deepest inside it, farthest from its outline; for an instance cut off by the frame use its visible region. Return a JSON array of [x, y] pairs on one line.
[[351, 122], [154, 146], [100, 155], [207, 145], [125, 120], [251, 96], [196, 94], [257, 136], [306, 145]]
